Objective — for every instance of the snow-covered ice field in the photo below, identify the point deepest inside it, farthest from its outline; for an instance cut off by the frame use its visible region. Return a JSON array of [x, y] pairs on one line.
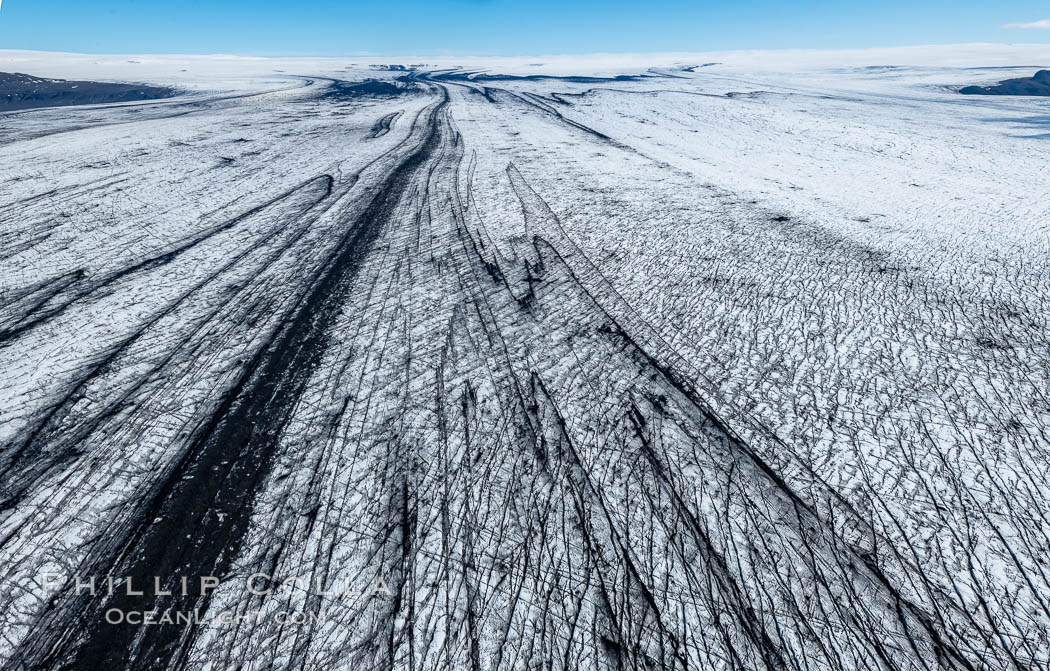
[[707, 361]]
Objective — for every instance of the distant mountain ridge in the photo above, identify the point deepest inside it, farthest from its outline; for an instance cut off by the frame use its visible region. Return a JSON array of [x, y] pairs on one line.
[[22, 91]]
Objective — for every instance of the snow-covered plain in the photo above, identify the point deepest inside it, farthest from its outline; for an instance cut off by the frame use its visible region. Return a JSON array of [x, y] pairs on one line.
[[720, 361]]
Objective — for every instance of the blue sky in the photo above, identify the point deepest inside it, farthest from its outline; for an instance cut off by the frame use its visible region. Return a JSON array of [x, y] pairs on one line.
[[504, 27]]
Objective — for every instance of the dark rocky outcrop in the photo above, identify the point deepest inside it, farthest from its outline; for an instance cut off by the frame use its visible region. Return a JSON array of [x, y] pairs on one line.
[[1036, 85], [21, 91], [343, 90]]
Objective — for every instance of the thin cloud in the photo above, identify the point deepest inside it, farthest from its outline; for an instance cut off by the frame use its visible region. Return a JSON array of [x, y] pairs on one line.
[[1041, 25]]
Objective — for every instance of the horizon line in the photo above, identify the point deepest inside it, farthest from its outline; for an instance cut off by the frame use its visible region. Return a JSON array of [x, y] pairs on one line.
[[489, 55]]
